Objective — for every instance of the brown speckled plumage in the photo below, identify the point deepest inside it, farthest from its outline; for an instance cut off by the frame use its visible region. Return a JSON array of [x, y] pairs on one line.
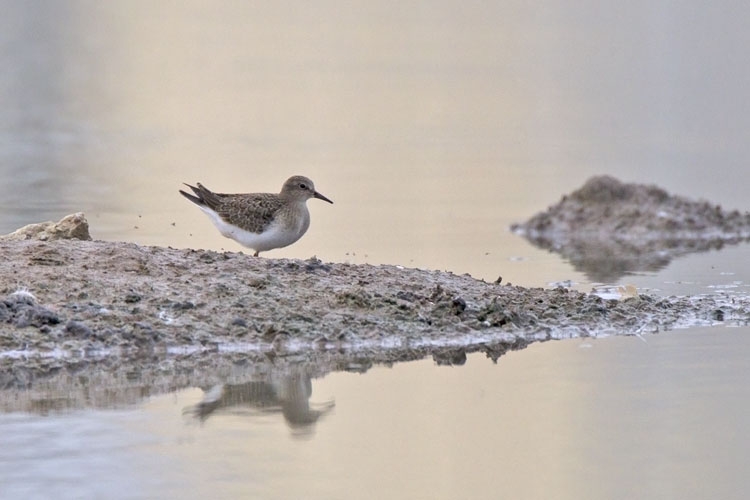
[[252, 211]]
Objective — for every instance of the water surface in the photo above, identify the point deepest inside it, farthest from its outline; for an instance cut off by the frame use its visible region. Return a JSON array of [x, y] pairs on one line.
[[608, 418]]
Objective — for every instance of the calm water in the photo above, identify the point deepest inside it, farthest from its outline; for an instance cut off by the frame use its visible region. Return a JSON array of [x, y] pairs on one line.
[[433, 126], [613, 418]]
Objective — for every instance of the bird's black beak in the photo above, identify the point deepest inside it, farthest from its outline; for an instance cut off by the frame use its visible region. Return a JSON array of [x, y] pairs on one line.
[[321, 197]]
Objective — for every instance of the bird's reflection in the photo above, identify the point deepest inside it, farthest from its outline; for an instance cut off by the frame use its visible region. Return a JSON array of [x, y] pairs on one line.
[[285, 393]]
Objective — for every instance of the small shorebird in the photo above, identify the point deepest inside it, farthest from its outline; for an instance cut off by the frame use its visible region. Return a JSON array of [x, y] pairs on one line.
[[260, 221]]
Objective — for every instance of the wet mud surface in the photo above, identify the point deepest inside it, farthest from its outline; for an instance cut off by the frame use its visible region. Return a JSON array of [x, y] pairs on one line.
[[78, 316], [77, 311]]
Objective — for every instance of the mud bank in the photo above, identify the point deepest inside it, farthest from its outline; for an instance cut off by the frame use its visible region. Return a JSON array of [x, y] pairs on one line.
[[69, 304], [608, 228], [75, 312]]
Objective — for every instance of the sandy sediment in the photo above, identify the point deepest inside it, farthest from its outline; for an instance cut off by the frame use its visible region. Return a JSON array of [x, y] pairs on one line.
[[75, 311]]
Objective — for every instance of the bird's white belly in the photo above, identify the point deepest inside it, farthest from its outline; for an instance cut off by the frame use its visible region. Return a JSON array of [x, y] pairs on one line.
[[275, 235]]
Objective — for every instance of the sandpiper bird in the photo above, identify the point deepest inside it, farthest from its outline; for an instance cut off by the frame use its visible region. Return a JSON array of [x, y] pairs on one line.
[[261, 221]]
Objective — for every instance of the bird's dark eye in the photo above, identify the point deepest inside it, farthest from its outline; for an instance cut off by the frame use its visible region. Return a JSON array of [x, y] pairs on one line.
[[303, 186]]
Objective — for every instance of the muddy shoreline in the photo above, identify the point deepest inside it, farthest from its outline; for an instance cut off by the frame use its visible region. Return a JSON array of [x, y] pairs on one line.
[[73, 310], [69, 305]]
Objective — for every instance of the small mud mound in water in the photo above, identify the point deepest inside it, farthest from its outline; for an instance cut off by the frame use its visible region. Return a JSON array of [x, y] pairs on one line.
[[608, 228]]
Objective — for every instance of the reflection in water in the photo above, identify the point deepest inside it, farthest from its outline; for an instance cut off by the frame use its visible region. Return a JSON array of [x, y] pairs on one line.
[[574, 410], [285, 393], [254, 381], [608, 261]]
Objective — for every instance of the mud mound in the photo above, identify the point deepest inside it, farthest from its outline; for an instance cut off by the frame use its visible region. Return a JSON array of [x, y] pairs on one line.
[[608, 228]]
